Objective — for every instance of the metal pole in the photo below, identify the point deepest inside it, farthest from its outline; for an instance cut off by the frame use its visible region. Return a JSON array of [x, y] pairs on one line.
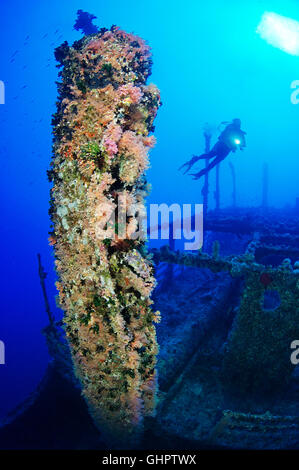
[[234, 184], [265, 186], [217, 190], [42, 275], [205, 189]]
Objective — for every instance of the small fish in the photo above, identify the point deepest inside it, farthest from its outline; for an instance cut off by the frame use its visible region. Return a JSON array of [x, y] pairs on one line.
[[45, 35]]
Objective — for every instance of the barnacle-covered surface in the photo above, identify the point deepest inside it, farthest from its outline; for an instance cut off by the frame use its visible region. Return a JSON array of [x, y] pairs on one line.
[[188, 319], [257, 353], [105, 113], [257, 358]]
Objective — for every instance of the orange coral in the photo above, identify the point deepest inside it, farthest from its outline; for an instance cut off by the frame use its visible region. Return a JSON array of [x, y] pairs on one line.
[[104, 117]]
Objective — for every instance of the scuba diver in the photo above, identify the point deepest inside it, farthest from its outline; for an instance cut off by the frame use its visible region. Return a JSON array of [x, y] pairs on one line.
[[230, 139]]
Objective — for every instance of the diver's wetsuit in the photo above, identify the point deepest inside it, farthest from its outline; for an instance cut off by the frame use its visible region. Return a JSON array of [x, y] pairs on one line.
[[225, 144], [220, 151]]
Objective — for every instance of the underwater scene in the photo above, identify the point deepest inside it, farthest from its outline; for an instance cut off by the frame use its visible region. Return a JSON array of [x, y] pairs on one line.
[[150, 227]]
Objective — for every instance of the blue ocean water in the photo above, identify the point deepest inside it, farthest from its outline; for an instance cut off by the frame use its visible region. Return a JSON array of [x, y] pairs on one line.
[[210, 65]]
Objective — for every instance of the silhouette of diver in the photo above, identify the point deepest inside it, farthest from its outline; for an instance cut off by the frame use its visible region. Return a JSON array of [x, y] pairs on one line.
[[229, 140]]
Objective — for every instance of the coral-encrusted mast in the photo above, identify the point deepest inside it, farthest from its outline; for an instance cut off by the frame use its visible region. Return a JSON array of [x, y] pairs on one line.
[[105, 114]]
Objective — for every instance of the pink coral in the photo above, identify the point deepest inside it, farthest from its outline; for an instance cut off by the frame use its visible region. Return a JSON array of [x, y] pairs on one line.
[[113, 132], [149, 141], [133, 145], [130, 93], [101, 273]]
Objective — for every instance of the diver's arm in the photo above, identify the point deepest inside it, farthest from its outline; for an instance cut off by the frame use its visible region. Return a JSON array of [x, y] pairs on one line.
[[243, 144]]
